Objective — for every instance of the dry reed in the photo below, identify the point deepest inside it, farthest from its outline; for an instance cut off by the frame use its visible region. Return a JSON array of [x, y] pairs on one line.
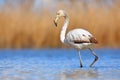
[[21, 29]]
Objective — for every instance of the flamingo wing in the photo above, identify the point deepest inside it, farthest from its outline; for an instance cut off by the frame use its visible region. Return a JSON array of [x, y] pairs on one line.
[[79, 36]]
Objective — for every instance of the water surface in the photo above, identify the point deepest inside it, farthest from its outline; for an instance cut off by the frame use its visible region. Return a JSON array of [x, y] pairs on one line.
[[58, 64]]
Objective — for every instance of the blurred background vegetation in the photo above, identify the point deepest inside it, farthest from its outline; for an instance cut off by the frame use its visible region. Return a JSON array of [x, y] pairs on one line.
[[29, 23]]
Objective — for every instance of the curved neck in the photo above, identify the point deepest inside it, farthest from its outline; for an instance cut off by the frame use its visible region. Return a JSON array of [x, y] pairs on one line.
[[63, 30]]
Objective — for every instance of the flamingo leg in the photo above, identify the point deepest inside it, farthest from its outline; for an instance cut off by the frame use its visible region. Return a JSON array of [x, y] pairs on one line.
[[96, 57], [80, 59]]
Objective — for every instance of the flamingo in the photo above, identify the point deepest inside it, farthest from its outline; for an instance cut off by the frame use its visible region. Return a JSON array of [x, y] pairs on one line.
[[76, 38]]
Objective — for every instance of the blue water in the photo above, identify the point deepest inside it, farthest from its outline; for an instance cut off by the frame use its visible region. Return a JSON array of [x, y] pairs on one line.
[[58, 64]]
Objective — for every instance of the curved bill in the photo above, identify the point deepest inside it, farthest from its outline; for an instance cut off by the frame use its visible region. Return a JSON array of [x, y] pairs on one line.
[[56, 20], [55, 23]]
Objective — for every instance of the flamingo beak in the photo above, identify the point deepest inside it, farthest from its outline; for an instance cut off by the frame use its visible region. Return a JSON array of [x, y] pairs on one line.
[[56, 20], [55, 23]]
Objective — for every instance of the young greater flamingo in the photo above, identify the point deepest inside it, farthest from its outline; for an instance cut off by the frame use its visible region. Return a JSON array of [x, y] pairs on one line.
[[77, 38]]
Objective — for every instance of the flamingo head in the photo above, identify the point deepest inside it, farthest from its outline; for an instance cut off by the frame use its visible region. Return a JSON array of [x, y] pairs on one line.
[[60, 13]]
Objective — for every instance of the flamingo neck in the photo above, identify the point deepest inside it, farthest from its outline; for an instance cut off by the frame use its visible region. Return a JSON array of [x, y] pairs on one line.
[[63, 30]]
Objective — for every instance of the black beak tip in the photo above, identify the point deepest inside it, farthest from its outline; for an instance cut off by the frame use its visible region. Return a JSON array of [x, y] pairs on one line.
[[55, 23]]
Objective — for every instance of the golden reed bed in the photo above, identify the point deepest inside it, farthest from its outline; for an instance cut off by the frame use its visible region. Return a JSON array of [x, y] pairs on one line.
[[27, 29]]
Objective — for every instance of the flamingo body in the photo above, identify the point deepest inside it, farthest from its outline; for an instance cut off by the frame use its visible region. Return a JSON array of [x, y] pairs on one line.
[[79, 39], [76, 38]]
